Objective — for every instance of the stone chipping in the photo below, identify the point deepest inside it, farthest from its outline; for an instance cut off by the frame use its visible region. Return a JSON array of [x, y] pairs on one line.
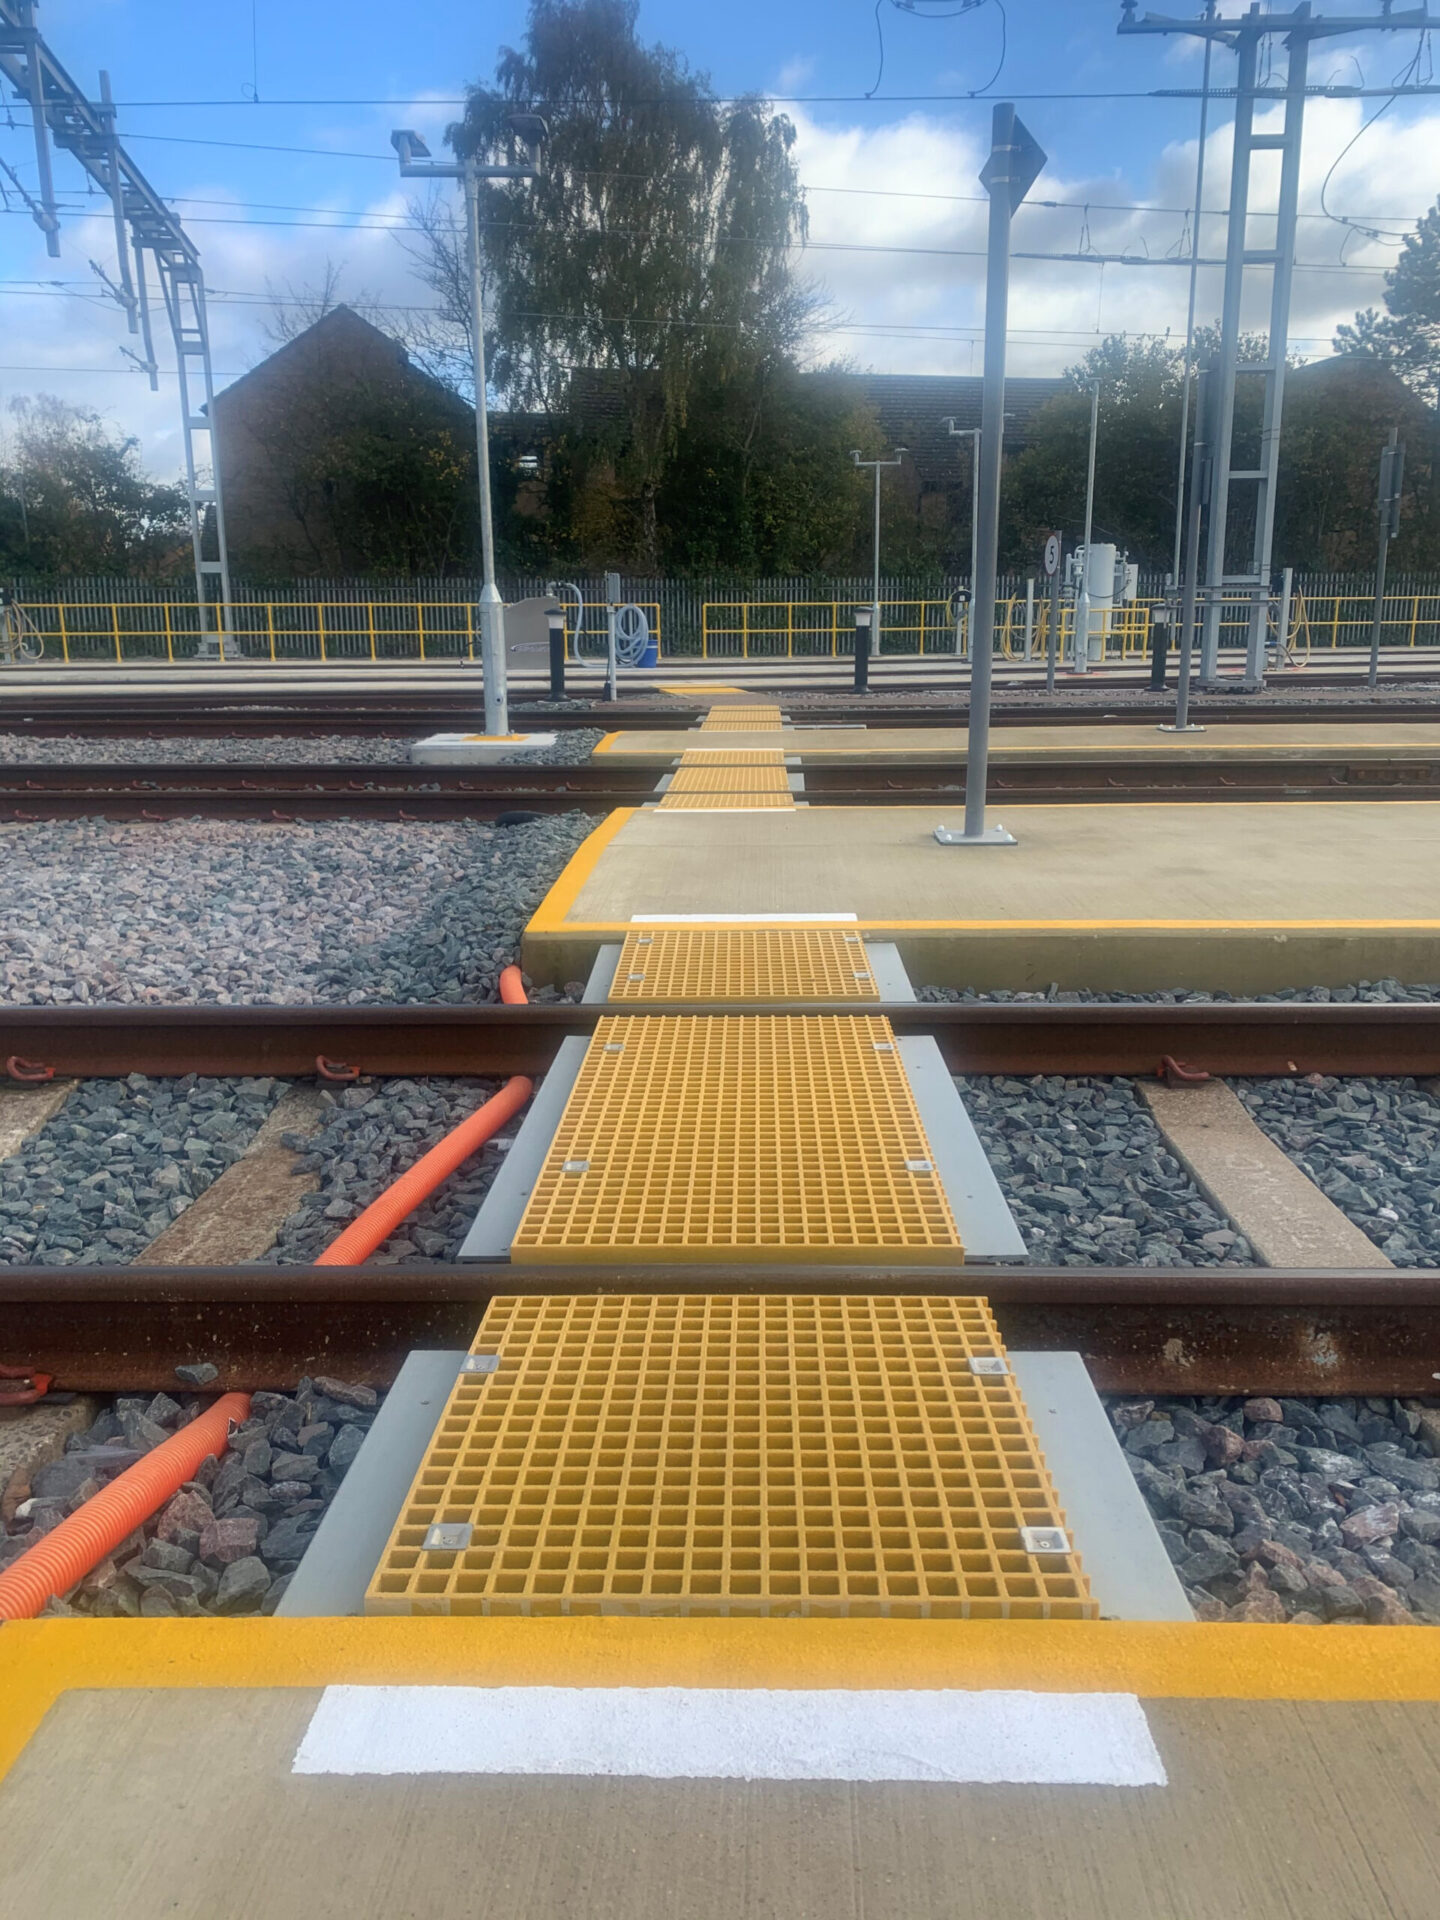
[[229, 913], [273, 750], [120, 1160], [371, 1134], [228, 1541], [1309, 1511], [1371, 992], [1089, 1178], [1371, 1145]]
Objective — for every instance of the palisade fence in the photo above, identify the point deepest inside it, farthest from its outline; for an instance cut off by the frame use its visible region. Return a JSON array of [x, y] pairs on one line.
[[358, 620]]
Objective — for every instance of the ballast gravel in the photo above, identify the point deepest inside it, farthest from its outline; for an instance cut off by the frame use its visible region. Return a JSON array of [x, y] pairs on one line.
[[1369, 992], [271, 750], [228, 1542], [1371, 1145], [1303, 1510], [371, 1135], [1089, 1178], [121, 1160], [230, 913]]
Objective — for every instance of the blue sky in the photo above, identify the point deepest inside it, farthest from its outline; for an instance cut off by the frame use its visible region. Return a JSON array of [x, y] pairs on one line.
[[265, 218]]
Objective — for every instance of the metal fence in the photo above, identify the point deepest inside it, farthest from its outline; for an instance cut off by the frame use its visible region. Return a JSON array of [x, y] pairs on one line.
[[282, 632], [811, 629], [125, 622]]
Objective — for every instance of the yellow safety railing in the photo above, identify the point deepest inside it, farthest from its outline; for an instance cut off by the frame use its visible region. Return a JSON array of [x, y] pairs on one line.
[[283, 632], [382, 632], [778, 629]]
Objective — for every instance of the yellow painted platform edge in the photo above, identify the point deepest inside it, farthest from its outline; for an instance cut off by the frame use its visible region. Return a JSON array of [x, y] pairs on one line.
[[655, 921], [549, 915], [605, 744], [41, 1659]]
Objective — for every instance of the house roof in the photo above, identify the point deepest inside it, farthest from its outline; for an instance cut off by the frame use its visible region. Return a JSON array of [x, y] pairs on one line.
[[331, 334]]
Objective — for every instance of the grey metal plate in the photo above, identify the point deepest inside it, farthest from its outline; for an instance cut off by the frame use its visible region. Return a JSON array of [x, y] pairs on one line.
[[597, 987], [891, 980], [1125, 1560], [500, 1212], [987, 1226], [349, 1541]]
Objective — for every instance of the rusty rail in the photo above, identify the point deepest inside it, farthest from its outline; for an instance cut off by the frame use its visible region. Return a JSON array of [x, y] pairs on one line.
[[1143, 1330], [205, 711], [1250, 1038], [402, 792]]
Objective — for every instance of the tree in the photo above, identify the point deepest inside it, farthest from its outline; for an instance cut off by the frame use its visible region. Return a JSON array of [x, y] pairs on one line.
[[761, 480], [339, 456], [654, 245], [75, 499], [1137, 440], [1406, 337]]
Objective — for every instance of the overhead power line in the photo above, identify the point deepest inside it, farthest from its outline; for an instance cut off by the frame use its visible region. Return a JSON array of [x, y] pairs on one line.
[[616, 173], [1319, 90]]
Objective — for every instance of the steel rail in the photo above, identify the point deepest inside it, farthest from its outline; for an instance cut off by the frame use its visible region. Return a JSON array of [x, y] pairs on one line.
[[205, 713], [1233, 1039], [401, 792], [1142, 1330]]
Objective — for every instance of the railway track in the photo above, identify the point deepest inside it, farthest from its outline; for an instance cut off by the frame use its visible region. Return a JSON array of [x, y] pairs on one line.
[[239, 792], [1180, 1330], [981, 1037], [338, 709], [1145, 1330]]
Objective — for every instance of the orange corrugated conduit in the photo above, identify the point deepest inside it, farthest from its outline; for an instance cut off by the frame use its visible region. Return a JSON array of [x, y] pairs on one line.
[[374, 1226], [61, 1558]]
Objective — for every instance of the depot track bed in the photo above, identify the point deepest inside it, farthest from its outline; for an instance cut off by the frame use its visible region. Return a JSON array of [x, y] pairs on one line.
[[237, 791], [338, 707]]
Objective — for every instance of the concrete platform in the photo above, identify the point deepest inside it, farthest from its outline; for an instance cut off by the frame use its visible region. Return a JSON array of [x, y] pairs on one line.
[[1114, 896], [1350, 741], [1123, 1772]]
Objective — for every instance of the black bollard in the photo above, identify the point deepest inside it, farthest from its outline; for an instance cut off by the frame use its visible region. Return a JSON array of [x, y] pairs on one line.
[[557, 655], [862, 649], [1159, 648]]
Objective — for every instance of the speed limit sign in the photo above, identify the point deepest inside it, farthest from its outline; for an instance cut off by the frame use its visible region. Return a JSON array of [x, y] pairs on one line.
[[1052, 554]]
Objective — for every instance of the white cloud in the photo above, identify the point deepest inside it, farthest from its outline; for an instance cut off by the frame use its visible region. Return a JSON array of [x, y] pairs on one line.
[[1057, 308]]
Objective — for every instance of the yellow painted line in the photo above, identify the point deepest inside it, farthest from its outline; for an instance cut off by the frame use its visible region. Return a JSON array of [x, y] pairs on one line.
[[698, 687], [549, 916], [41, 1659], [605, 745], [1028, 926]]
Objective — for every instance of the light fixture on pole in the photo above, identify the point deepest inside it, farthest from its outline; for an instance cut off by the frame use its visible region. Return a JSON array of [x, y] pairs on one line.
[[972, 434], [527, 130], [1007, 176], [876, 465]]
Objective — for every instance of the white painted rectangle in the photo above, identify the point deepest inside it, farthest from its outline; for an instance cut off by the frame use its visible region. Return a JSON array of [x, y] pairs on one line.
[[698, 1733], [734, 919]]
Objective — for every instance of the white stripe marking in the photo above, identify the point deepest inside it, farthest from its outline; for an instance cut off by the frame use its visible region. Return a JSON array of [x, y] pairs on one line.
[[721, 919], [689, 1733]]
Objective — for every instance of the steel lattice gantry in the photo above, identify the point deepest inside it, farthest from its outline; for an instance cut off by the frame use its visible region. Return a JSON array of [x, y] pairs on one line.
[[1244, 34], [60, 111]]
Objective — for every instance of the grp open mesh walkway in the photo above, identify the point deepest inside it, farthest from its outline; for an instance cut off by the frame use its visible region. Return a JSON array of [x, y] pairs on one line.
[[721, 782], [714, 800], [701, 777], [724, 1454], [743, 963], [738, 719], [731, 1137]]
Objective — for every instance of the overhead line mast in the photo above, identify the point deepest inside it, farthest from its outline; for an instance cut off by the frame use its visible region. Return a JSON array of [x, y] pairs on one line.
[[60, 111], [1244, 34]]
